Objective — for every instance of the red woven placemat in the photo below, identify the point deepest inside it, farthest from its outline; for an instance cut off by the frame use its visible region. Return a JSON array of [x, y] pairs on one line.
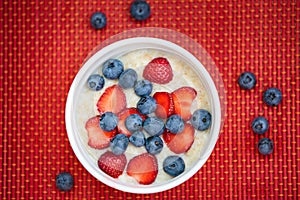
[[43, 44]]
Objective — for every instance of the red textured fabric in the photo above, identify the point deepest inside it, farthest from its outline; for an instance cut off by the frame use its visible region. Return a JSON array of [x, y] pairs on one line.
[[43, 44]]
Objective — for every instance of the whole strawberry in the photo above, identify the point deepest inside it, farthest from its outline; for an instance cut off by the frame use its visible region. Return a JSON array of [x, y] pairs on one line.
[[158, 71]]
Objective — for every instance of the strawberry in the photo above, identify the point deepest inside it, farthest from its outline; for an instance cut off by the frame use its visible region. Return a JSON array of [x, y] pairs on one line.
[[98, 138], [122, 117], [180, 142], [183, 98], [113, 165], [165, 105], [113, 100], [143, 168], [158, 71]]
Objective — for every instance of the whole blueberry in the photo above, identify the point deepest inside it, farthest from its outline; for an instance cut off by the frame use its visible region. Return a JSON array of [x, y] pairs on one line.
[[174, 165], [175, 124], [98, 20], [108, 121], [154, 145], [64, 181], [146, 105], [201, 119], [134, 122], [260, 125], [140, 10], [154, 126], [119, 144], [137, 139], [95, 82], [112, 69], [272, 96], [143, 88], [247, 80], [265, 146], [128, 78]]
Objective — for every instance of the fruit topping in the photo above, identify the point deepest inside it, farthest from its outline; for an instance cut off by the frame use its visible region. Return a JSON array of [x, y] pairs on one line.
[[108, 121], [260, 125], [158, 71], [247, 80], [165, 104], [112, 100], [128, 78], [146, 105], [180, 142], [95, 82], [137, 139], [154, 144], [119, 144], [134, 122], [201, 119], [143, 168], [111, 164], [98, 20], [154, 126], [112, 69], [183, 98], [272, 96], [175, 124], [143, 88], [265, 146], [64, 181], [140, 10], [173, 165], [98, 138]]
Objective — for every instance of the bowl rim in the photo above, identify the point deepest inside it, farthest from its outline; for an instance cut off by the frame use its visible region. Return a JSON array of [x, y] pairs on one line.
[[101, 176]]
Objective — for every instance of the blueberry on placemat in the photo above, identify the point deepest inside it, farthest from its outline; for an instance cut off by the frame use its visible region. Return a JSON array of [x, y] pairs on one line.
[[247, 80], [98, 20], [272, 96], [265, 146], [64, 181], [140, 10], [260, 125]]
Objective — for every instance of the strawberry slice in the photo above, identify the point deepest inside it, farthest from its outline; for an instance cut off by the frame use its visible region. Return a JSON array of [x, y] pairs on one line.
[[181, 142], [158, 71], [98, 138], [183, 98], [165, 104], [143, 168], [112, 100], [113, 165], [122, 117]]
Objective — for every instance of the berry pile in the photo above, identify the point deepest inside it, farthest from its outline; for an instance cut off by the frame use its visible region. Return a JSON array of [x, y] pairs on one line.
[[160, 120]]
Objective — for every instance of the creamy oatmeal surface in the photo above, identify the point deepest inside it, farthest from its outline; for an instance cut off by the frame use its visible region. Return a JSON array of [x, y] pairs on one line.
[[183, 76]]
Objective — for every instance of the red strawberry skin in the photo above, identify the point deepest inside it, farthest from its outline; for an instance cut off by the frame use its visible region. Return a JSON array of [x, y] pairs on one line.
[[181, 142], [112, 100], [113, 165], [183, 98], [143, 168], [158, 71], [122, 117], [98, 138], [165, 104]]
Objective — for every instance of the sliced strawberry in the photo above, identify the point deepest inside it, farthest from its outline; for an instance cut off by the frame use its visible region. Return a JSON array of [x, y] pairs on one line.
[[165, 105], [158, 71], [143, 168], [113, 99], [183, 98], [122, 117], [181, 142], [113, 165], [98, 138]]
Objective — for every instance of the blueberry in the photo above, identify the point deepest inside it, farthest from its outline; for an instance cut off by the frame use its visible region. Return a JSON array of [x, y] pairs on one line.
[[140, 10], [143, 88], [108, 121], [154, 126], [119, 144], [133, 122], [95, 82], [64, 181], [112, 69], [146, 105], [154, 145], [247, 80], [175, 124], [137, 139], [201, 119], [98, 20], [272, 96], [128, 78], [265, 146], [173, 165], [260, 125]]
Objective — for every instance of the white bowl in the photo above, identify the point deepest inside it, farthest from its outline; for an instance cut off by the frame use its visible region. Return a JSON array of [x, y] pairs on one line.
[[114, 50]]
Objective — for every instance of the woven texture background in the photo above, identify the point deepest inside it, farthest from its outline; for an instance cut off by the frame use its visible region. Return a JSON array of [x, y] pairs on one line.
[[43, 44]]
